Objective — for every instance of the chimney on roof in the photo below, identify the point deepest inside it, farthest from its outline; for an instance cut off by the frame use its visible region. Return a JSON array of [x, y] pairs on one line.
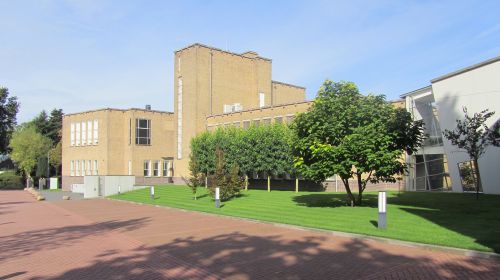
[[148, 107]]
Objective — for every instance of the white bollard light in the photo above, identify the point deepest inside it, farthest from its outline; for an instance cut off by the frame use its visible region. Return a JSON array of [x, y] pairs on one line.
[[152, 192], [217, 198], [382, 213], [119, 189]]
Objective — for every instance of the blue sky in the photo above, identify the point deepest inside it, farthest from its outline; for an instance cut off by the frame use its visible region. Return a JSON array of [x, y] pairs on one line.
[[81, 55]]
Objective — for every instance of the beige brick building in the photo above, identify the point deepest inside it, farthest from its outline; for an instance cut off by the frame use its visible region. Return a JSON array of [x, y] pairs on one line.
[[212, 87], [134, 142]]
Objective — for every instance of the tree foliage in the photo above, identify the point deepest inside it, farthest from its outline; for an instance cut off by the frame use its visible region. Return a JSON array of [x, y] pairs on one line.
[[49, 126], [348, 134], [27, 146], [8, 112], [55, 157], [474, 136], [229, 183], [263, 149]]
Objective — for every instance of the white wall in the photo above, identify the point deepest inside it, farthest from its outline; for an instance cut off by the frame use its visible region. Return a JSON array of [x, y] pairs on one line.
[[111, 184], [477, 89], [90, 186]]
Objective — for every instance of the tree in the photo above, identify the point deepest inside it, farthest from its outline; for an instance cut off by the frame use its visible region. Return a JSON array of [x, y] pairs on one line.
[[348, 134], [27, 146], [229, 183], [196, 177], [474, 136], [55, 125], [8, 112], [55, 157], [49, 126]]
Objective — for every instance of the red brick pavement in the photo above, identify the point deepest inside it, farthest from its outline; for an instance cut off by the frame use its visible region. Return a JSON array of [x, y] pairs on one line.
[[103, 239]]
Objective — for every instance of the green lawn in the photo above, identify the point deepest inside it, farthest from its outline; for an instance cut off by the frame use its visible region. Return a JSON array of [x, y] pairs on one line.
[[449, 219]]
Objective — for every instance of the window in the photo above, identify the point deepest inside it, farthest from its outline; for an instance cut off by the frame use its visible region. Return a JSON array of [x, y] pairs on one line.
[[96, 132], [72, 135], [89, 132], [84, 170], [227, 125], [165, 168], [236, 124], [210, 128], [179, 119], [246, 124], [278, 120], [77, 133], [147, 168], [232, 108], [89, 167], [156, 167], [256, 123], [72, 168], [84, 133], [142, 132], [77, 168], [289, 119], [129, 167], [266, 121], [96, 168], [262, 102]]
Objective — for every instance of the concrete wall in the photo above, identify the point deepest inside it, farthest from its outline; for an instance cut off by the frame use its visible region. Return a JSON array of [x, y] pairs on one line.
[[478, 89]]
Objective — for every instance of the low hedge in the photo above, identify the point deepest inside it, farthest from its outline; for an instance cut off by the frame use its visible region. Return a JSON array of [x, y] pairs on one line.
[[9, 180]]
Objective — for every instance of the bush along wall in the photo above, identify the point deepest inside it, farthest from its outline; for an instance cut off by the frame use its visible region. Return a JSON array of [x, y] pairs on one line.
[[264, 150], [9, 180]]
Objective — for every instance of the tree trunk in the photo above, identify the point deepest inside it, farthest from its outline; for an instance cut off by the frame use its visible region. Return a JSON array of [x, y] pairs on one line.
[[349, 193], [478, 178], [360, 190]]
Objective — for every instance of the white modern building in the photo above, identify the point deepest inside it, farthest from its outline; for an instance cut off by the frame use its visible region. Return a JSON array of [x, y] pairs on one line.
[[438, 165]]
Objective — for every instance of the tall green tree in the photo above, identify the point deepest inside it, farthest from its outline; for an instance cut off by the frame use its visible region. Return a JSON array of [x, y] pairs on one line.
[[348, 134], [474, 136], [49, 125], [27, 147], [55, 157], [8, 113]]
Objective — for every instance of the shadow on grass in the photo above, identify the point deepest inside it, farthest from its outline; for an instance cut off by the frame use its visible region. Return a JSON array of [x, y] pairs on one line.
[[237, 255], [458, 212], [332, 200]]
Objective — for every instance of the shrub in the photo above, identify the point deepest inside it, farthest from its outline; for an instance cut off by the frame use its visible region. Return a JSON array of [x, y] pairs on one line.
[[229, 184], [9, 180]]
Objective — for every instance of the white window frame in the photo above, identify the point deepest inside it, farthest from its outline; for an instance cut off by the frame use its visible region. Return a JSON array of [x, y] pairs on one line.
[[89, 133], [89, 167], [95, 137], [147, 128], [266, 121], [165, 167], [95, 170], [84, 169], [84, 133], [253, 122], [72, 134], [156, 168], [77, 134], [72, 168], [262, 100], [278, 117], [243, 124], [179, 118], [77, 168], [147, 168]]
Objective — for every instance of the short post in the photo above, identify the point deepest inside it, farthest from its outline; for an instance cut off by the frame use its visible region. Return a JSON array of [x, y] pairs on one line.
[[217, 198], [119, 189], [382, 214], [268, 183], [246, 182], [296, 185], [152, 190], [206, 181]]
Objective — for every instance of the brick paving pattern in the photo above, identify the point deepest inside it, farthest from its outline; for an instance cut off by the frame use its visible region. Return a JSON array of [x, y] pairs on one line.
[[103, 239]]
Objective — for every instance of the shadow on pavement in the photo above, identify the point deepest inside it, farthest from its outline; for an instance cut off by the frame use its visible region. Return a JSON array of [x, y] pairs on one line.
[[238, 255]]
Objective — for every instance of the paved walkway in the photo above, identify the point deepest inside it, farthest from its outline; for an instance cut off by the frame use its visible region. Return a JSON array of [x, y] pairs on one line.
[[55, 196], [103, 239]]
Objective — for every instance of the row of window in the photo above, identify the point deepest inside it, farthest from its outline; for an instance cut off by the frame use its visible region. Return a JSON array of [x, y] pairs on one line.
[[256, 122], [84, 133], [83, 167], [152, 168]]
